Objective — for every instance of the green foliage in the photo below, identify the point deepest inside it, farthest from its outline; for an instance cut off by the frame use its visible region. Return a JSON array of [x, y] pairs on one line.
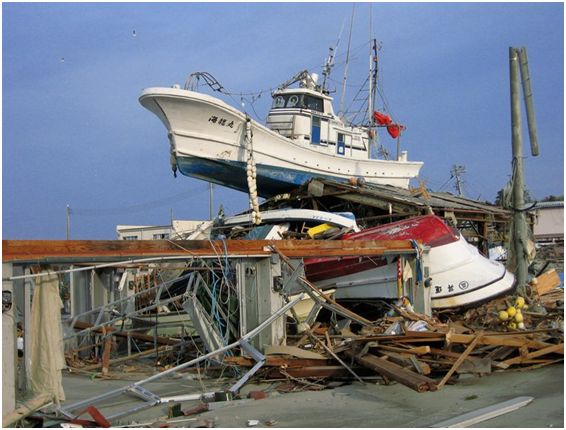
[[553, 198], [499, 198]]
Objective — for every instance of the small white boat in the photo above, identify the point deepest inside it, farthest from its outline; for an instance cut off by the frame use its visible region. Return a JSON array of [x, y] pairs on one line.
[[303, 138], [279, 220]]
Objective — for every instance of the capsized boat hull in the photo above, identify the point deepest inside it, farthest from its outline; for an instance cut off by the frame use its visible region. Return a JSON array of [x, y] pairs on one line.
[[207, 141], [460, 275]]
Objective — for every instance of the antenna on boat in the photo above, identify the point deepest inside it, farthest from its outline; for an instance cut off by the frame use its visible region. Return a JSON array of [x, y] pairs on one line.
[[342, 99], [329, 64]]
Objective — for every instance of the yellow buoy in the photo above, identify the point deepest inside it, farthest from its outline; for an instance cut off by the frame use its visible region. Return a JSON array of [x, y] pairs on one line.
[[519, 302], [512, 325], [518, 317], [503, 316], [511, 311]]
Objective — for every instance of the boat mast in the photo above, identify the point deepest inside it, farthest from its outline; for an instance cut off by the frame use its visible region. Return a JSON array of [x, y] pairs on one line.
[[330, 60], [372, 86], [342, 99]]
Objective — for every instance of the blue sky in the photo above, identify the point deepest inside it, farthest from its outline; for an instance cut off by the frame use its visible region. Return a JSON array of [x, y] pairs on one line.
[[74, 133]]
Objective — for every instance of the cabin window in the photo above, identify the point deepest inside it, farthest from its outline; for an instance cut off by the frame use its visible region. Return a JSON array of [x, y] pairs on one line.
[[130, 238], [314, 103], [278, 102], [340, 144], [315, 130], [288, 101]]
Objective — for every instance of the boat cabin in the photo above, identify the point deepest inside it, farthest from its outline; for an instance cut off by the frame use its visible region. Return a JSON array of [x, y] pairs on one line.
[[306, 116]]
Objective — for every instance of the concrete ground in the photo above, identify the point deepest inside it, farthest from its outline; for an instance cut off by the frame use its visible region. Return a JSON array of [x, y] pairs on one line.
[[353, 405]]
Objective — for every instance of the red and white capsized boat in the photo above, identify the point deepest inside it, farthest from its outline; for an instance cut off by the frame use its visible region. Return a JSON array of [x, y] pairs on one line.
[[460, 275]]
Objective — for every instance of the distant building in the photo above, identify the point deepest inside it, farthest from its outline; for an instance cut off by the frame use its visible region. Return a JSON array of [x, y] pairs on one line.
[[176, 229], [549, 222]]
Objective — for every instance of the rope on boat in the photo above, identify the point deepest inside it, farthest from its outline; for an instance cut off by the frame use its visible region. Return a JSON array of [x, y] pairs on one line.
[[251, 174]]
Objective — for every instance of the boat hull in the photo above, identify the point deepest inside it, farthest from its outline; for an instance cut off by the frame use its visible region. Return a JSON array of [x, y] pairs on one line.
[[460, 275], [207, 141]]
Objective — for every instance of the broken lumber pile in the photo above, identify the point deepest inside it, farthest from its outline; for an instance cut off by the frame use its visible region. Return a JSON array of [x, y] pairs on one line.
[[425, 353]]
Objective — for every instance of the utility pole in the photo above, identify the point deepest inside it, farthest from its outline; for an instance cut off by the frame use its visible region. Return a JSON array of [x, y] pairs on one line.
[[456, 172], [519, 231], [68, 222]]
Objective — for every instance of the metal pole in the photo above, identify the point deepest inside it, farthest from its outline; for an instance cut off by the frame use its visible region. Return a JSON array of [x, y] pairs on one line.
[[519, 233], [211, 202], [211, 354], [343, 97], [68, 222]]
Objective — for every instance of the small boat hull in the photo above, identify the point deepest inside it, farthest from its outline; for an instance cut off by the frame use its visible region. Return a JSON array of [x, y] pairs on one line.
[[460, 275]]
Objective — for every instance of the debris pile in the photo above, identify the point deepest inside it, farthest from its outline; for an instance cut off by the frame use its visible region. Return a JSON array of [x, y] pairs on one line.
[[425, 353]]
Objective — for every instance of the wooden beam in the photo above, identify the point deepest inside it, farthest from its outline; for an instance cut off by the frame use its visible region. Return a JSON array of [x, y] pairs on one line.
[[558, 349], [106, 352], [38, 250], [273, 361], [26, 409], [395, 372], [460, 360]]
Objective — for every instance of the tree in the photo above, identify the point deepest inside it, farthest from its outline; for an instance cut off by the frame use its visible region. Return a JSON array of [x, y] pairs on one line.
[[527, 198], [553, 198]]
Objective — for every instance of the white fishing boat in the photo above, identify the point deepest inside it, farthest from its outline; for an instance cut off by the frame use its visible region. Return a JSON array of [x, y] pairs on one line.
[[303, 138]]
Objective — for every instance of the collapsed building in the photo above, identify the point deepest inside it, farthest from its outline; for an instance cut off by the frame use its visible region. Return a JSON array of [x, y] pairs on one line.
[[248, 309]]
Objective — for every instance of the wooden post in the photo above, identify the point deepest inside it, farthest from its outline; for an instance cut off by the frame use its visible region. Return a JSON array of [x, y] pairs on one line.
[[8, 344], [106, 352]]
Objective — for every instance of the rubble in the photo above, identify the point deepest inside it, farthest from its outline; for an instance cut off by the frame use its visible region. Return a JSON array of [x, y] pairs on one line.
[[342, 342]]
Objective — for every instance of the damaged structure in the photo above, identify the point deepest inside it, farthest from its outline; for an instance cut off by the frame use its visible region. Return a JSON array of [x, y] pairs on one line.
[[247, 307]]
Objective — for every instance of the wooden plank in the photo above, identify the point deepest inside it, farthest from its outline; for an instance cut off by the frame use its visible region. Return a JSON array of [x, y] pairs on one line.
[[417, 350], [26, 409], [106, 352], [515, 340], [460, 360], [293, 351], [272, 361], [558, 349], [546, 282], [37, 250], [407, 362], [395, 372], [486, 413], [470, 365]]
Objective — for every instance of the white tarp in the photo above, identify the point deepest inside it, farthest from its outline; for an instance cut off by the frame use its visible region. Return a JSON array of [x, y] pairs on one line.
[[47, 351]]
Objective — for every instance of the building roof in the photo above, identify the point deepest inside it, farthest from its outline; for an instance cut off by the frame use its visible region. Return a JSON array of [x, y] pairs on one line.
[[420, 198]]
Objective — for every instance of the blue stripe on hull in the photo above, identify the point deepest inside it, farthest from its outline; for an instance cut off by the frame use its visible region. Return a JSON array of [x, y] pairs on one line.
[[232, 174]]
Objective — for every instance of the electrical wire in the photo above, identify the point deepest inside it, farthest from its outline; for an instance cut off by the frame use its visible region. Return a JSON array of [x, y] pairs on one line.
[[138, 207]]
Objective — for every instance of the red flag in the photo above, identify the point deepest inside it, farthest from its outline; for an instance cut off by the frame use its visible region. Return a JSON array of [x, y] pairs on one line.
[[381, 118], [395, 130]]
